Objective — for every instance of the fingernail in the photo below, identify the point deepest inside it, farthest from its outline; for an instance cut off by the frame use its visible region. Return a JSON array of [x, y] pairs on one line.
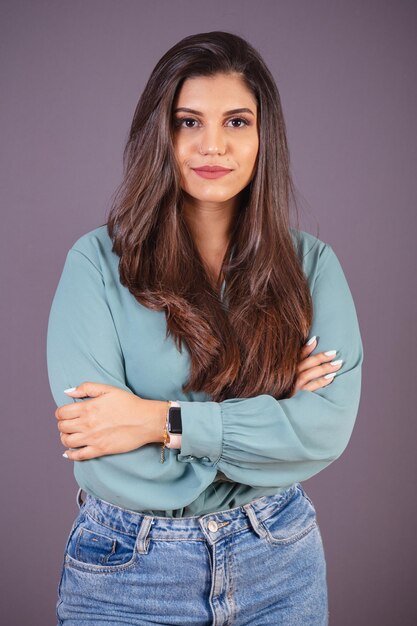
[[65, 455], [330, 352], [70, 389], [310, 341], [331, 375], [338, 362]]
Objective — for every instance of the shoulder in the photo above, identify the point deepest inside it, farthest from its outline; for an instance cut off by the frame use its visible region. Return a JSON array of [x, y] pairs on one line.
[[314, 253], [307, 243], [309, 247], [96, 246]]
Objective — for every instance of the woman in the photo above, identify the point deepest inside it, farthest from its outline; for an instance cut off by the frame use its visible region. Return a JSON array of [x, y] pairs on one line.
[[180, 327]]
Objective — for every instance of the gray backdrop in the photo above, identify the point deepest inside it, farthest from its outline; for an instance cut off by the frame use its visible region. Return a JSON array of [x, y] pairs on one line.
[[71, 74]]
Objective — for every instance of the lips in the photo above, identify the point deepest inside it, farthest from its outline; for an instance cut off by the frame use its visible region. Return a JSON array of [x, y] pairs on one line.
[[211, 171], [212, 168]]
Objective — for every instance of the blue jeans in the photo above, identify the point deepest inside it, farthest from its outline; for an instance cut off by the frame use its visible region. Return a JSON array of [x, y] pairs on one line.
[[257, 564]]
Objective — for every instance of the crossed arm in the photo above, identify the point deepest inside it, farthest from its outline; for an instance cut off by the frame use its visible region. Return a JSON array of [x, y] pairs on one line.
[[242, 436]]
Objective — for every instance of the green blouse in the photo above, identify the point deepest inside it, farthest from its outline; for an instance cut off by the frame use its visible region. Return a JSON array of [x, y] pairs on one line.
[[232, 451]]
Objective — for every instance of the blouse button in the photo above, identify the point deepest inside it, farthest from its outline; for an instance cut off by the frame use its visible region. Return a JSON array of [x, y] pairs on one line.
[[213, 526]]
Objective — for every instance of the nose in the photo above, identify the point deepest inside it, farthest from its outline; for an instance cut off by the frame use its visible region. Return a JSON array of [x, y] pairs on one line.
[[212, 141]]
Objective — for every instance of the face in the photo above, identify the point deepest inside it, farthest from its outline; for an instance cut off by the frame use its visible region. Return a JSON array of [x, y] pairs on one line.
[[215, 124]]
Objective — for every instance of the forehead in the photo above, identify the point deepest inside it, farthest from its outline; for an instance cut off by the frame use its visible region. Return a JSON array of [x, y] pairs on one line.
[[226, 90]]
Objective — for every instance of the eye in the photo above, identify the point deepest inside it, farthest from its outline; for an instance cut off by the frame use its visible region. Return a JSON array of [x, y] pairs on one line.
[[241, 120], [183, 122]]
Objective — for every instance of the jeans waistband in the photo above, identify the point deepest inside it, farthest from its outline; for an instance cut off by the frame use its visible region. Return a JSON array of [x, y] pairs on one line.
[[211, 526]]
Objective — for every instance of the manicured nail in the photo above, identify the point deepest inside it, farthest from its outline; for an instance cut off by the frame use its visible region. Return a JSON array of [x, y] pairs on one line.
[[330, 352], [331, 375], [338, 362], [65, 455], [70, 389], [312, 340]]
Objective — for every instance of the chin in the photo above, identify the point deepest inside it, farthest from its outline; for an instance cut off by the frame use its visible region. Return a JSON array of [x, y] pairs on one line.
[[213, 196], [215, 199]]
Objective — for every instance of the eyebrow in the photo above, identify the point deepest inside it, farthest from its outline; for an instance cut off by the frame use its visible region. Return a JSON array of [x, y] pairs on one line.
[[231, 112]]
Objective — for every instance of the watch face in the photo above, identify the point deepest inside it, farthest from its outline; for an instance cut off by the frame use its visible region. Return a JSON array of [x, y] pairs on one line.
[[175, 422]]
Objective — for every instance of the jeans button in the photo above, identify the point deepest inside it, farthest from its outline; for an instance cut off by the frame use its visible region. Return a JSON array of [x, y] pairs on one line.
[[213, 526]]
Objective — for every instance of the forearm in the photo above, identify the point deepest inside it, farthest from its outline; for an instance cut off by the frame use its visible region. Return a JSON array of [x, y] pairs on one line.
[[264, 441]]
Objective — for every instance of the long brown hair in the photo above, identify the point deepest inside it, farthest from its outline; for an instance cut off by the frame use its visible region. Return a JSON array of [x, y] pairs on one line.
[[249, 342]]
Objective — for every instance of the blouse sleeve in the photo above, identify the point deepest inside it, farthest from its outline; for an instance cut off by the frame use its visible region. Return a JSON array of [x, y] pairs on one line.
[[82, 341], [264, 442]]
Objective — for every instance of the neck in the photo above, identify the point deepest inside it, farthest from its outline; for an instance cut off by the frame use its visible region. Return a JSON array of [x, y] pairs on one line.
[[210, 223]]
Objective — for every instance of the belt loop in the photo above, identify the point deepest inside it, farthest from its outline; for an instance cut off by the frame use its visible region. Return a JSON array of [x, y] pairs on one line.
[[143, 540], [256, 525]]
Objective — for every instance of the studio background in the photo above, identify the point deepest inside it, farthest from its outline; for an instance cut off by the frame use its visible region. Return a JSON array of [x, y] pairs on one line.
[[71, 74]]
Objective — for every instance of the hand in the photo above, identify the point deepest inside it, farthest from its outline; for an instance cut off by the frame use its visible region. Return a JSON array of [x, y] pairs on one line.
[[312, 369], [113, 420]]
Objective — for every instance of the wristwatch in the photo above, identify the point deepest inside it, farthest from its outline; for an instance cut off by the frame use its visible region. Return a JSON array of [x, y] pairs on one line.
[[174, 425]]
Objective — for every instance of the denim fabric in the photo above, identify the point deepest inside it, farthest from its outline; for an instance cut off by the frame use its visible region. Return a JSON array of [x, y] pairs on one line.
[[260, 563]]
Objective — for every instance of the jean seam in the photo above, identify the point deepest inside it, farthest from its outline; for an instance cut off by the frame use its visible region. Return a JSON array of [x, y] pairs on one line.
[[232, 590], [293, 539], [117, 530], [190, 539], [101, 569], [209, 556], [278, 509], [308, 499]]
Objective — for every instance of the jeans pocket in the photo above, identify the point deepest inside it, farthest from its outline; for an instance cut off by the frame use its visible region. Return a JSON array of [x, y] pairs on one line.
[[292, 521], [97, 548]]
